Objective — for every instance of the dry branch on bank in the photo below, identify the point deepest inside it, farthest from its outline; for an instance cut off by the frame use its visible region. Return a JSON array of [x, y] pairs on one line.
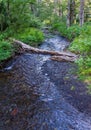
[[59, 56]]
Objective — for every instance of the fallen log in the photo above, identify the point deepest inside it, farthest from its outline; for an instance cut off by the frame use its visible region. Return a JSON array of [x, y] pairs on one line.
[[63, 58], [59, 56]]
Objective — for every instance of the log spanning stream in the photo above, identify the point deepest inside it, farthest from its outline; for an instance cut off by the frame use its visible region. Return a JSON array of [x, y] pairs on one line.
[[40, 94]]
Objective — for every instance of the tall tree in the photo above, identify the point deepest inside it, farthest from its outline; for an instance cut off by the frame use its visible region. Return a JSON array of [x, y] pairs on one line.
[[71, 12], [55, 6], [81, 14], [60, 8]]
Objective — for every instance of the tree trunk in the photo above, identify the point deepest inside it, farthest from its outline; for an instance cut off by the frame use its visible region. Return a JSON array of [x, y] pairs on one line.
[[60, 8], [8, 10], [81, 14], [55, 7], [63, 58], [71, 12]]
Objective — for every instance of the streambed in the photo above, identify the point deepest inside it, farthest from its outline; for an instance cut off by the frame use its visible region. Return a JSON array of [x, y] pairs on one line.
[[40, 94]]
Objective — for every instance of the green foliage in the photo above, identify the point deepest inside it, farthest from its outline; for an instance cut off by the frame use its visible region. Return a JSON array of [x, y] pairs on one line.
[[84, 62], [18, 14], [73, 31], [70, 33], [44, 10], [31, 36], [84, 71], [59, 26], [6, 50], [3, 36], [86, 30], [35, 22], [82, 45], [89, 89]]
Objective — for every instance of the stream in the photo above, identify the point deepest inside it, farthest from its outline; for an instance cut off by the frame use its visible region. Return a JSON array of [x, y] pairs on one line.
[[37, 93]]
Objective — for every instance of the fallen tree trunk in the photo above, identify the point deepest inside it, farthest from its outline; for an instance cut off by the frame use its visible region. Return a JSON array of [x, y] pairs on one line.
[[59, 56], [63, 58]]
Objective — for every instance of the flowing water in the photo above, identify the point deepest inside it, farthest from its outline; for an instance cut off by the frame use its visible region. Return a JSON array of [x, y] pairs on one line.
[[31, 98]]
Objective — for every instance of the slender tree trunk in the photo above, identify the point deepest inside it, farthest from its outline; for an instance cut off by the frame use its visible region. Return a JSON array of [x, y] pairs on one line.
[[8, 8], [71, 12], [39, 2], [68, 15], [8, 5], [60, 8], [32, 8], [81, 14], [55, 6]]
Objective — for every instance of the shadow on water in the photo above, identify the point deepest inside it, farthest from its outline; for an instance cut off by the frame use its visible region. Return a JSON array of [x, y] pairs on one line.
[[31, 97]]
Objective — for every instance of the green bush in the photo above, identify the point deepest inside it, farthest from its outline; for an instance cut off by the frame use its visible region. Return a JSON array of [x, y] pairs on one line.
[[86, 30], [58, 22], [35, 22], [84, 71], [72, 31], [82, 45], [84, 63], [6, 50], [3, 36], [60, 27], [30, 36]]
